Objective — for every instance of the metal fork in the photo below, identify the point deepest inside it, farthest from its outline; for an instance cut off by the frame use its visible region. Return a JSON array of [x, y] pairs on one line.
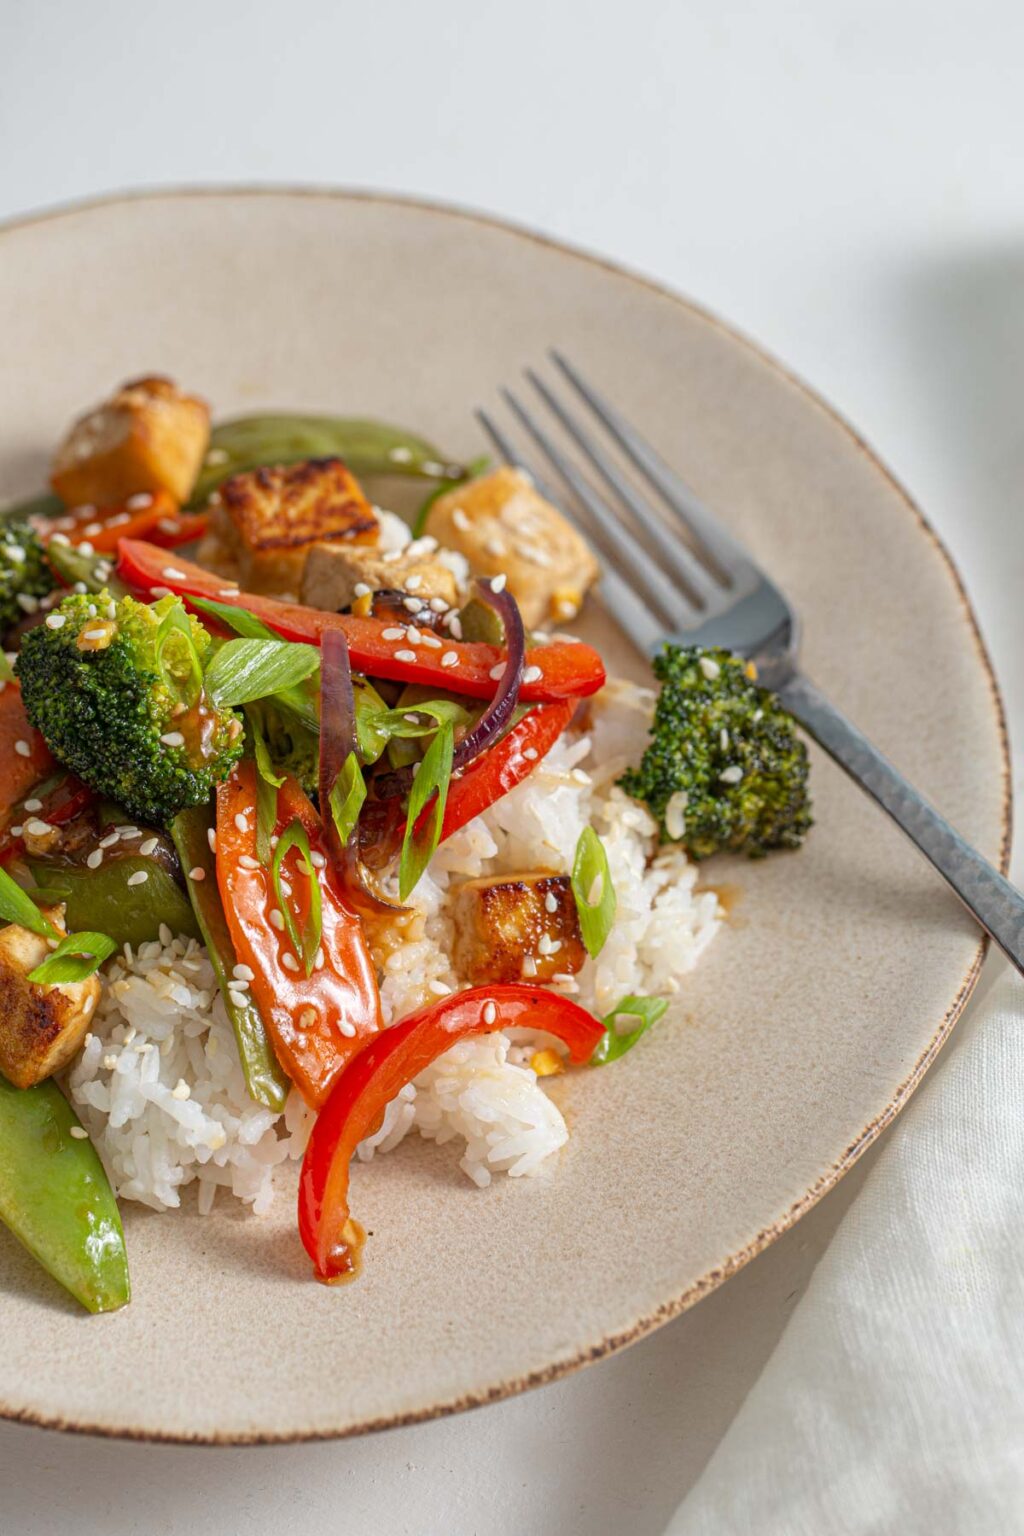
[[695, 584]]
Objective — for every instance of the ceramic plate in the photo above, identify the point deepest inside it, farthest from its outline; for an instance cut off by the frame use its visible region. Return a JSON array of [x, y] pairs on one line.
[[812, 1016]]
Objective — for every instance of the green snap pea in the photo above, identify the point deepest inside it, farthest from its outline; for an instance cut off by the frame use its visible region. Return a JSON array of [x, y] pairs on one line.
[[102, 900], [56, 1198]]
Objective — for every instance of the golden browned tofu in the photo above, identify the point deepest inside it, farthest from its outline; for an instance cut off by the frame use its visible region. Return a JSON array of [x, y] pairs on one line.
[[502, 524], [264, 523], [516, 928], [150, 436], [41, 1027], [336, 575]]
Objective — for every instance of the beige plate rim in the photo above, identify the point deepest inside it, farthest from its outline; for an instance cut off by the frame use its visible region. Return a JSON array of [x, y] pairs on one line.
[[733, 1262]]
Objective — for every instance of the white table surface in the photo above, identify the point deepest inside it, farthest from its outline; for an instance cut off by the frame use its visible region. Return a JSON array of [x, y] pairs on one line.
[[843, 179]]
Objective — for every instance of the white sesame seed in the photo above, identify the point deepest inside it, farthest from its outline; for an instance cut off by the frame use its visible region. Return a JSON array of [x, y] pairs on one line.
[[228, 592], [110, 839], [150, 846], [439, 988], [495, 546], [17, 831], [412, 604], [247, 861], [318, 960], [710, 668], [276, 920], [347, 1028], [431, 641], [171, 573], [78, 1132], [307, 1018], [391, 556], [460, 520], [22, 748], [392, 633], [317, 859], [490, 1013], [55, 621], [531, 754], [197, 874], [92, 529], [413, 583], [498, 583], [545, 944], [361, 589], [60, 539], [450, 659], [289, 961], [723, 739], [438, 605], [498, 671], [400, 455], [36, 827], [241, 824], [564, 979], [159, 592], [85, 548], [139, 878], [139, 500], [757, 715], [534, 555], [579, 777], [129, 830], [424, 545], [27, 602], [94, 634], [731, 775], [529, 966], [532, 675], [454, 626], [33, 805], [405, 655], [211, 838], [173, 739], [551, 902], [243, 973], [413, 635]]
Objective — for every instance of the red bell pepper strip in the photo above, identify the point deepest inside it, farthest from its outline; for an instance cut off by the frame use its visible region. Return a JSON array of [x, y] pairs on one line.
[[24, 756], [317, 1022], [394, 1058], [158, 520], [565, 670], [503, 766]]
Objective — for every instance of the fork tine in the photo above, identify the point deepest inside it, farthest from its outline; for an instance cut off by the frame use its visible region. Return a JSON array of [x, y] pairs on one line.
[[644, 575], [678, 559], [727, 556], [628, 609]]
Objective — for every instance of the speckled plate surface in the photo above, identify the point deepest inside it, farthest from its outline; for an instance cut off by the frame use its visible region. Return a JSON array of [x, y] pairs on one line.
[[814, 1013]]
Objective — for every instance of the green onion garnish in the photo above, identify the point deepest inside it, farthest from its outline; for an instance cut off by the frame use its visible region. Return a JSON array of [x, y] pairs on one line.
[[244, 670], [268, 782], [17, 907], [294, 836], [175, 626], [432, 780], [346, 797], [645, 1010], [595, 894], [75, 958]]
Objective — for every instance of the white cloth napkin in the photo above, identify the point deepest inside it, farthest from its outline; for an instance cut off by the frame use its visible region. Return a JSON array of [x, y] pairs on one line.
[[894, 1401]]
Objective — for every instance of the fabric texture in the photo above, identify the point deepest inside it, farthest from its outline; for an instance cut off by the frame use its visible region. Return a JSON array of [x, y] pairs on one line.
[[894, 1400]]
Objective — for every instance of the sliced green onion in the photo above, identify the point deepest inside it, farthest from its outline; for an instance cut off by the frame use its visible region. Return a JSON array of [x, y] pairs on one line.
[[432, 780], [240, 620], [268, 782], [613, 1044], [244, 670], [17, 907], [75, 958], [595, 894], [175, 623], [294, 836], [6, 670], [401, 722], [346, 798]]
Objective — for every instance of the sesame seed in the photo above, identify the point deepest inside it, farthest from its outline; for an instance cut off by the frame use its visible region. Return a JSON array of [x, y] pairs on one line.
[[534, 555], [17, 831], [723, 739], [228, 592], [551, 902], [276, 920], [85, 548], [579, 777], [391, 556], [289, 961], [531, 754], [454, 626], [110, 839], [173, 739], [55, 621], [120, 518], [22, 748], [241, 825], [197, 874], [317, 859], [532, 675], [495, 546], [392, 633], [439, 988], [450, 659], [757, 715], [181, 1090], [318, 960], [545, 944], [412, 604], [27, 602], [413, 583], [60, 539], [37, 828], [33, 805], [710, 668], [498, 583], [361, 589], [438, 605], [148, 847], [413, 635], [400, 455], [96, 634], [347, 1028], [78, 1133], [171, 573], [211, 838], [490, 1013], [247, 861], [159, 592], [498, 671], [92, 529], [130, 830], [243, 973], [139, 878], [529, 966], [564, 979], [460, 520], [425, 545], [731, 775], [405, 655], [140, 499], [307, 1018], [431, 641]]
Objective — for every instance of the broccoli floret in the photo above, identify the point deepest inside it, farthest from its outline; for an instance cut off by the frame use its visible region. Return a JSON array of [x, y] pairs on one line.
[[725, 769], [116, 688], [23, 571]]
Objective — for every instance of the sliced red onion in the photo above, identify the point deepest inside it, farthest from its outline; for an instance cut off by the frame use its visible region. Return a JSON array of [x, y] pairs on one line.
[[499, 711], [337, 740]]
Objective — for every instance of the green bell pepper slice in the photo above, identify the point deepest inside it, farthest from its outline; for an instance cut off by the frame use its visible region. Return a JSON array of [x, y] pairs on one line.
[[102, 900], [264, 1078], [56, 1198]]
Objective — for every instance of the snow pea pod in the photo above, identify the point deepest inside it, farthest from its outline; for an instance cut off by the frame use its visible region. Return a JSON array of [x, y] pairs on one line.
[[367, 447], [264, 1078], [102, 899], [93, 571], [56, 1199]]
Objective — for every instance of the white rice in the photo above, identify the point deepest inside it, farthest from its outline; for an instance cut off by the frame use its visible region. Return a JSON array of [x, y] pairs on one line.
[[158, 1083]]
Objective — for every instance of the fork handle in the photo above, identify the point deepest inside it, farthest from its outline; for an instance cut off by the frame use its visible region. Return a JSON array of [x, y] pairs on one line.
[[998, 907]]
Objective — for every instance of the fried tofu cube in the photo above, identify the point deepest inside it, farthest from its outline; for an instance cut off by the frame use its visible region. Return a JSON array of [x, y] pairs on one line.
[[502, 524], [41, 1027], [264, 523], [336, 576], [516, 928], [150, 436]]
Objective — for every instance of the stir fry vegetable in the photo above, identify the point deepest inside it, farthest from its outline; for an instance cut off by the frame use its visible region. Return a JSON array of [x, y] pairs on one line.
[[316, 1021], [56, 1198], [372, 1079], [114, 899], [557, 671], [24, 756]]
